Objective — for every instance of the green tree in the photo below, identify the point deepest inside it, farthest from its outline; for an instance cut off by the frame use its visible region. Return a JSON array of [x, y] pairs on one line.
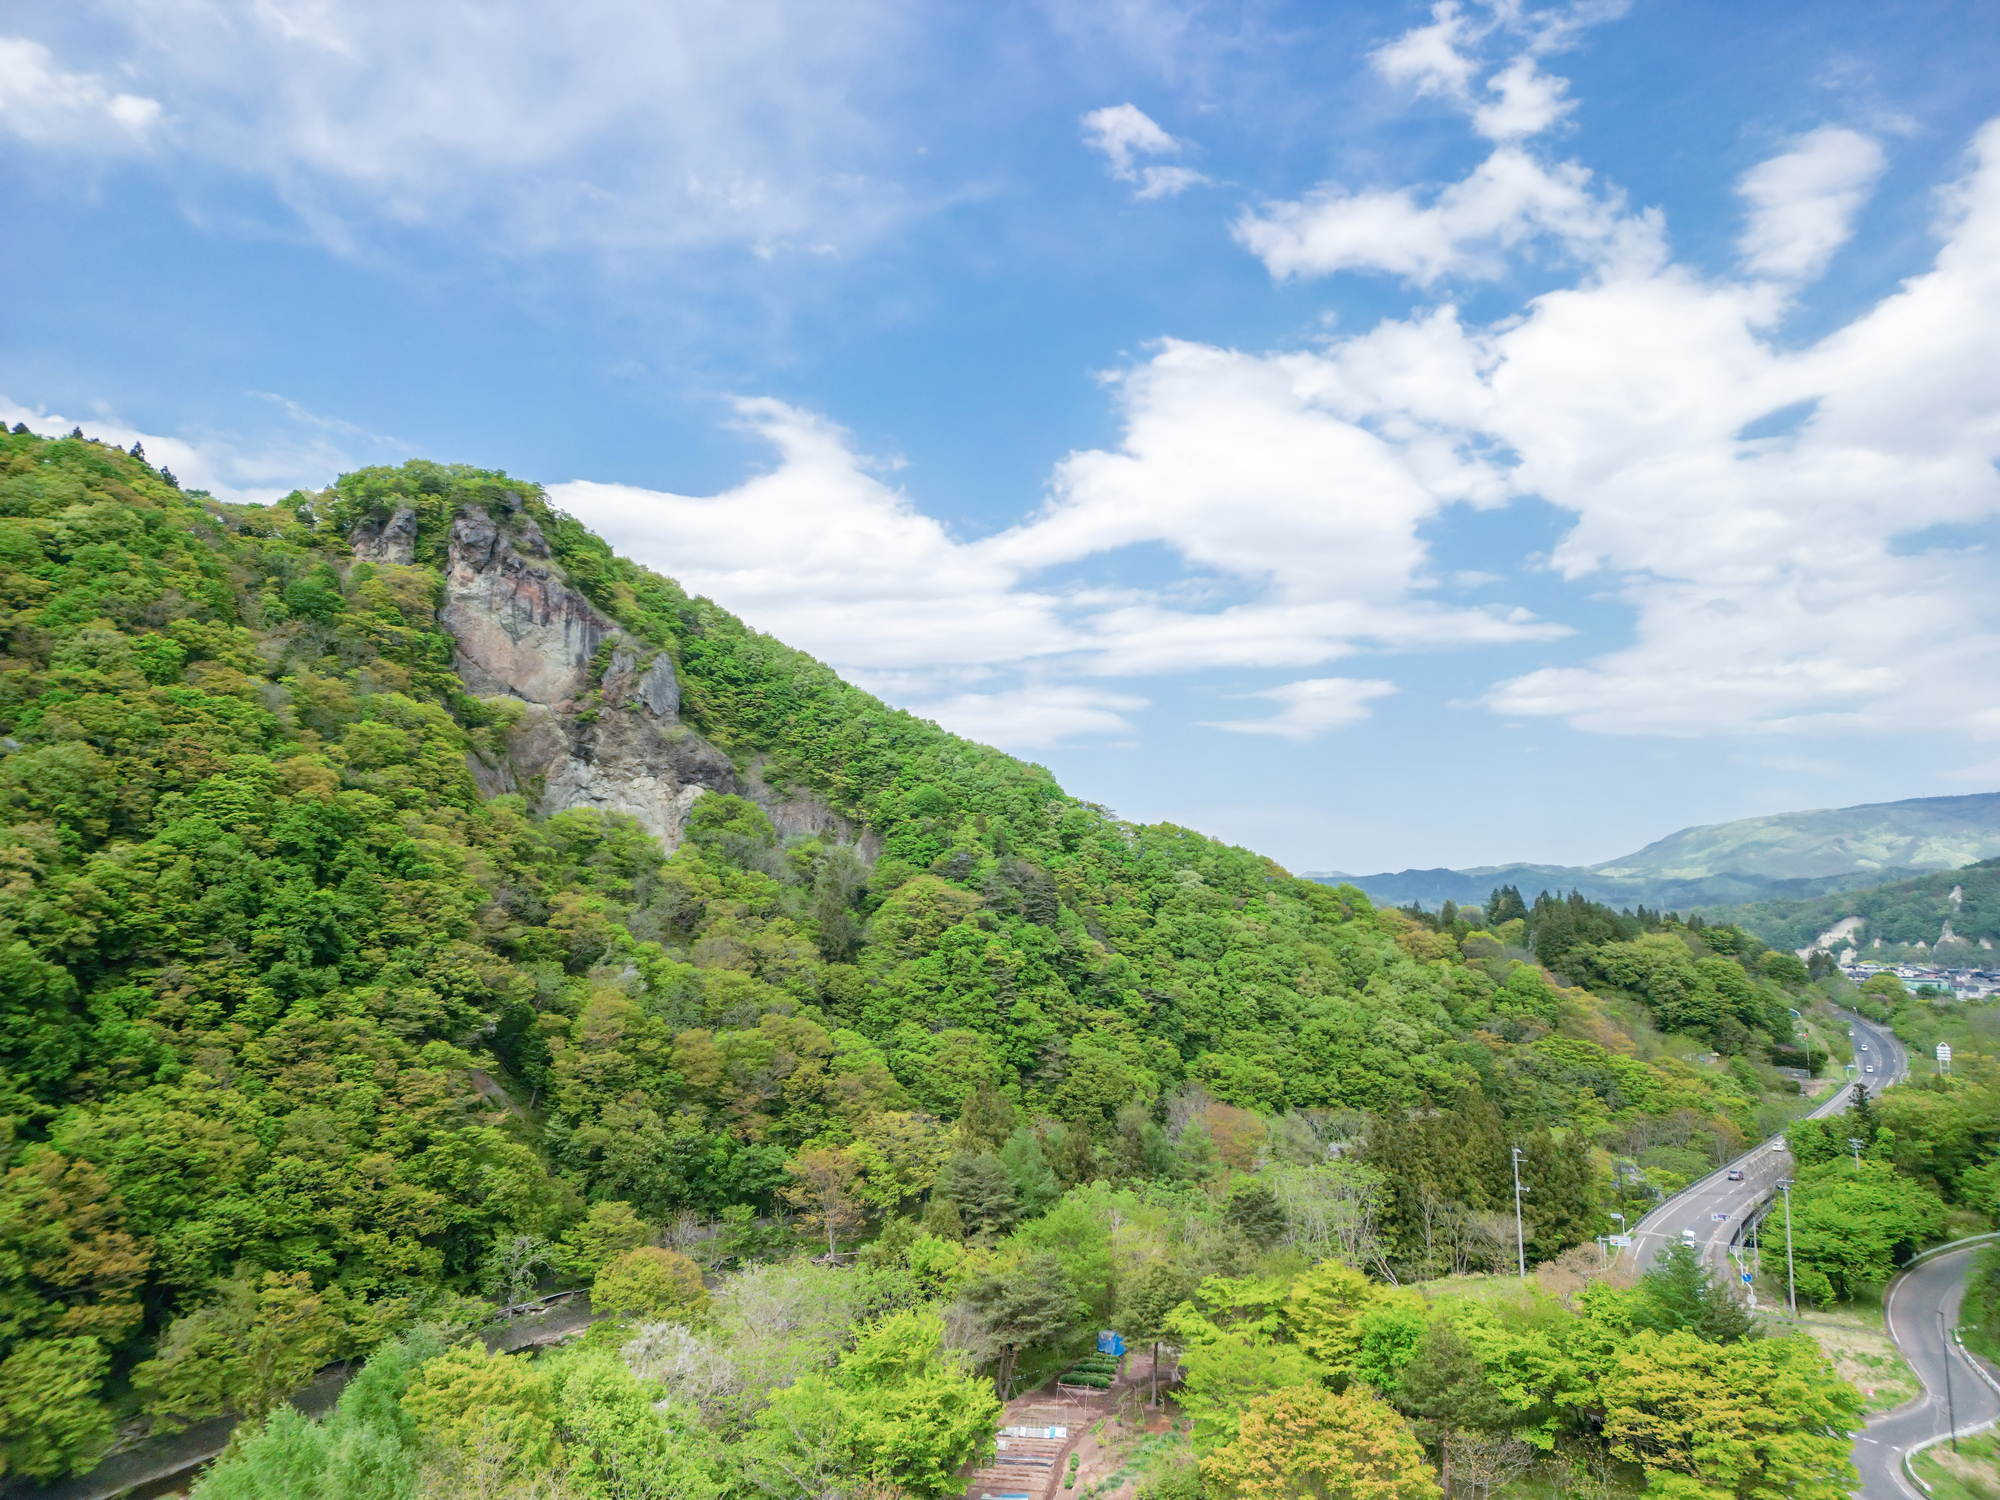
[[247, 1350], [367, 1448], [51, 1420], [616, 1445], [1029, 1306], [1304, 1441], [607, 1230], [1446, 1387], [987, 1116], [494, 1417], [1324, 1310], [1855, 1228], [1678, 1292], [512, 1271], [1562, 1192], [1757, 1419], [1075, 1156], [649, 1283], [1029, 1168], [983, 1191], [1256, 1212], [894, 1413], [1145, 1304]]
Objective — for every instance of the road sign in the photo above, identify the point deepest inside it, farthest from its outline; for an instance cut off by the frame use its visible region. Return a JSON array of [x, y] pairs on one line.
[[1944, 1052], [1746, 1278], [1621, 1240], [1720, 1218]]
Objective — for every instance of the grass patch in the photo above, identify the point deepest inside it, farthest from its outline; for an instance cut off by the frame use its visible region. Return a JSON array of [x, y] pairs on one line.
[[1972, 1473], [1857, 1341]]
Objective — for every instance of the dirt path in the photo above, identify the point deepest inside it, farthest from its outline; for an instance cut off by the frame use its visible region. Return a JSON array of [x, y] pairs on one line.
[[1040, 1430]]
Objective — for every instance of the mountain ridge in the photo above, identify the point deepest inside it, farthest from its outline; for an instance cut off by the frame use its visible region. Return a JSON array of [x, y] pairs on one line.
[[1779, 856]]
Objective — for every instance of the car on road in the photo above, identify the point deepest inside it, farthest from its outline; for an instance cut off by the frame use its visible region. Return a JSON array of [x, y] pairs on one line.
[[1869, 1069], [1735, 1174], [1687, 1237]]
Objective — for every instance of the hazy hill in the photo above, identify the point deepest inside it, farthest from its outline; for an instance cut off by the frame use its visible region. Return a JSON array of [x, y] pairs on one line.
[[1785, 856], [1954, 914]]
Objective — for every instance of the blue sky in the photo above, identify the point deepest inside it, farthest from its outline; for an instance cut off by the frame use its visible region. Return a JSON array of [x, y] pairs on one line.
[[1382, 435]]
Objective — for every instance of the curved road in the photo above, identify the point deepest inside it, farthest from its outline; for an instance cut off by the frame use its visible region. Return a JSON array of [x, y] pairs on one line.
[[1915, 1302], [1714, 1208]]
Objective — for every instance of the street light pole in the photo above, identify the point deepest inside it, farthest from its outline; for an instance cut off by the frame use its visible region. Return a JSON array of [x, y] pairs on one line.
[[1951, 1410], [1791, 1280], [1520, 1236], [1854, 1145]]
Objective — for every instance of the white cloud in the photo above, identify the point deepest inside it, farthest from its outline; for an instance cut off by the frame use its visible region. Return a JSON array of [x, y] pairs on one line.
[[1516, 99], [1293, 533], [1034, 717], [1802, 203], [41, 103], [1308, 709], [1470, 227], [1772, 586], [613, 124], [1526, 102], [1465, 229], [304, 452], [822, 554], [1124, 132], [1431, 58]]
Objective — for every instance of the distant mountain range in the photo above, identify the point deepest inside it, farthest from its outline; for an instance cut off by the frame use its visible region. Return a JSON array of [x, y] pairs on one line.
[[1787, 856]]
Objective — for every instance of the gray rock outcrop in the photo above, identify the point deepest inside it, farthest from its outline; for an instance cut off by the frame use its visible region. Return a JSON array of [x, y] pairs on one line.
[[615, 743], [601, 727], [390, 541], [519, 628]]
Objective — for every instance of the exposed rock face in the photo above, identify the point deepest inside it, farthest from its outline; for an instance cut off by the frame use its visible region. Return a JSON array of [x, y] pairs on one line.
[[390, 541], [520, 629], [522, 632]]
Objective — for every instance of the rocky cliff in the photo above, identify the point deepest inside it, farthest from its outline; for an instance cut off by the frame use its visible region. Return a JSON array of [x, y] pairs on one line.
[[598, 714], [598, 723]]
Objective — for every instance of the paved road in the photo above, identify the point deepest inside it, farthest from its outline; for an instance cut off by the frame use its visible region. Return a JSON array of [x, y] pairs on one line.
[[1937, 1286], [1714, 1208]]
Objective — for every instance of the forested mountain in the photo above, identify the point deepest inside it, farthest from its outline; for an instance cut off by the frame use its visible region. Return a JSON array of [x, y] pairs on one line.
[[395, 882], [1953, 916], [1785, 856]]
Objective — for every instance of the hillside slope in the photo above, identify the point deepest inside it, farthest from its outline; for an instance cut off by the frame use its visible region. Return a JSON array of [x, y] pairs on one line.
[[1953, 916], [392, 875], [1786, 856]]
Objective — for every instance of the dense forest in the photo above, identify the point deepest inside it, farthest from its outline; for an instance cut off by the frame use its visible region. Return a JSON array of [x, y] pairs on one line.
[[310, 1048], [1952, 916]]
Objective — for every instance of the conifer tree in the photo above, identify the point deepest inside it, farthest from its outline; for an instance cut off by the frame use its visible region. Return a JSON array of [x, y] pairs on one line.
[[1679, 1292], [1255, 1211], [979, 1184], [1031, 1306], [1143, 1309], [1445, 1387], [1562, 1192], [987, 1116], [1074, 1158]]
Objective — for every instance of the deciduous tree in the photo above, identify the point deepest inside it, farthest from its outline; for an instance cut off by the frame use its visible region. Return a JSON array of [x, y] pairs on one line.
[[1302, 1441]]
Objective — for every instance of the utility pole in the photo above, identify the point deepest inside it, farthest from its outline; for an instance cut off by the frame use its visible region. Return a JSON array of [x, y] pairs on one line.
[[1854, 1145], [1520, 1237], [1951, 1410], [1791, 1279]]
